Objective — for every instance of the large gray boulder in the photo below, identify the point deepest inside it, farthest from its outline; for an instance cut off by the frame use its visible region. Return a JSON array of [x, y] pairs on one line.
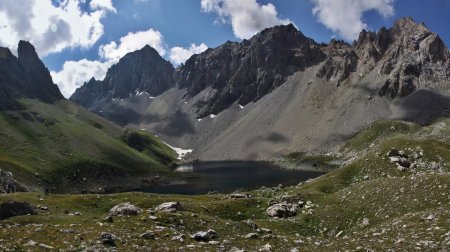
[[282, 210], [13, 208], [168, 207], [124, 209]]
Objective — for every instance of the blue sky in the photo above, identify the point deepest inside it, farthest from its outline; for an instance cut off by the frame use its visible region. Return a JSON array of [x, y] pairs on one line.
[[182, 27]]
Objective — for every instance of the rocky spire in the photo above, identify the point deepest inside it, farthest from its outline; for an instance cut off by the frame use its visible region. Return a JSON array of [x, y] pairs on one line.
[[41, 85]]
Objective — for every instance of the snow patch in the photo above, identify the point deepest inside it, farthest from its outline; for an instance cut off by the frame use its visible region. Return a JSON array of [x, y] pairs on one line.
[[199, 119], [151, 97], [240, 106], [181, 152], [212, 116]]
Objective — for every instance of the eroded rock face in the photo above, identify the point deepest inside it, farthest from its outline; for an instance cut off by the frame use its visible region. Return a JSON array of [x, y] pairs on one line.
[[13, 208], [416, 58], [9, 185], [340, 63], [247, 71]]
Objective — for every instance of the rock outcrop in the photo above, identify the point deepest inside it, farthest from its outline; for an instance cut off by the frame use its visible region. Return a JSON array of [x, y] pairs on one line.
[[9, 185]]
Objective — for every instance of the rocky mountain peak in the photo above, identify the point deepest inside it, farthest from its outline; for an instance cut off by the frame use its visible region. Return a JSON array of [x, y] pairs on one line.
[[416, 58], [25, 76], [5, 53], [246, 71], [42, 85], [141, 71]]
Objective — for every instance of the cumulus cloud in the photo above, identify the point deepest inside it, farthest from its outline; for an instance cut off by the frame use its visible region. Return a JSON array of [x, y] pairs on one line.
[[179, 55], [75, 73], [131, 42], [247, 17], [52, 28], [102, 4], [344, 17]]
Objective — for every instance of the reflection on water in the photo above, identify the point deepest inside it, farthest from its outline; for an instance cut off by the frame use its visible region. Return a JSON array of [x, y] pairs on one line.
[[185, 168], [229, 176]]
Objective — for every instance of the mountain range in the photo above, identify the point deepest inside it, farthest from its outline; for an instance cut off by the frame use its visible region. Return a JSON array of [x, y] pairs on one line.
[[277, 92]]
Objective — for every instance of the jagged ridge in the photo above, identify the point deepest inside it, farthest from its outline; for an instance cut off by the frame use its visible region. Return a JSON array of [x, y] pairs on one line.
[[406, 57]]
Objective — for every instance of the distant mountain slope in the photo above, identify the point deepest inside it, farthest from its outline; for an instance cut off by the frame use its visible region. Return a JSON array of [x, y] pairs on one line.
[[49, 143], [280, 92]]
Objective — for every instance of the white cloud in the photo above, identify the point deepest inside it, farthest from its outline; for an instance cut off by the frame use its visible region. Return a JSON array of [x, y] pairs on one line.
[[75, 73], [103, 4], [52, 28], [247, 17], [132, 42], [179, 55], [345, 16]]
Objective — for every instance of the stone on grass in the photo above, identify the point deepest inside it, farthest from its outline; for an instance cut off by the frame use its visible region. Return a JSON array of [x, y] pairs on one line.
[[169, 207], [251, 236], [148, 235], [124, 209], [204, 236], [108, 239], [282, 210]]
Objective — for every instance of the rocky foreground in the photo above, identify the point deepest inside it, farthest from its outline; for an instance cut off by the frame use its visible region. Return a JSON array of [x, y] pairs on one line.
[[390, 193]]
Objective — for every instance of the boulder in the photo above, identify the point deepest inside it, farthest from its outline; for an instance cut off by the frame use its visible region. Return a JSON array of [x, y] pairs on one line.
[[204, 236], [13, 208], [251, 236], [108, 239], [124, 209], [148, 235], [169, 207], [239, 196], [282, 210]]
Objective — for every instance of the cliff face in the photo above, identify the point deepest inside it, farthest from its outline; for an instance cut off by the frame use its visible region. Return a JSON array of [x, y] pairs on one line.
[[24, 76], [137, 72]]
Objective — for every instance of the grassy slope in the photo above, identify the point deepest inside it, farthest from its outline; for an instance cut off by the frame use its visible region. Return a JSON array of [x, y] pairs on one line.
[[395, 203], [54, 144]]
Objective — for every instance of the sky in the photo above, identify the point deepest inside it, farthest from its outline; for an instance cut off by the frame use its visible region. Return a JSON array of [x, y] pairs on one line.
[[81, 39]]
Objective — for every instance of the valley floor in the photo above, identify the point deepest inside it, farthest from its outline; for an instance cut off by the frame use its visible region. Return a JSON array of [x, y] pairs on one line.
[[404, 214], [391, 192]]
